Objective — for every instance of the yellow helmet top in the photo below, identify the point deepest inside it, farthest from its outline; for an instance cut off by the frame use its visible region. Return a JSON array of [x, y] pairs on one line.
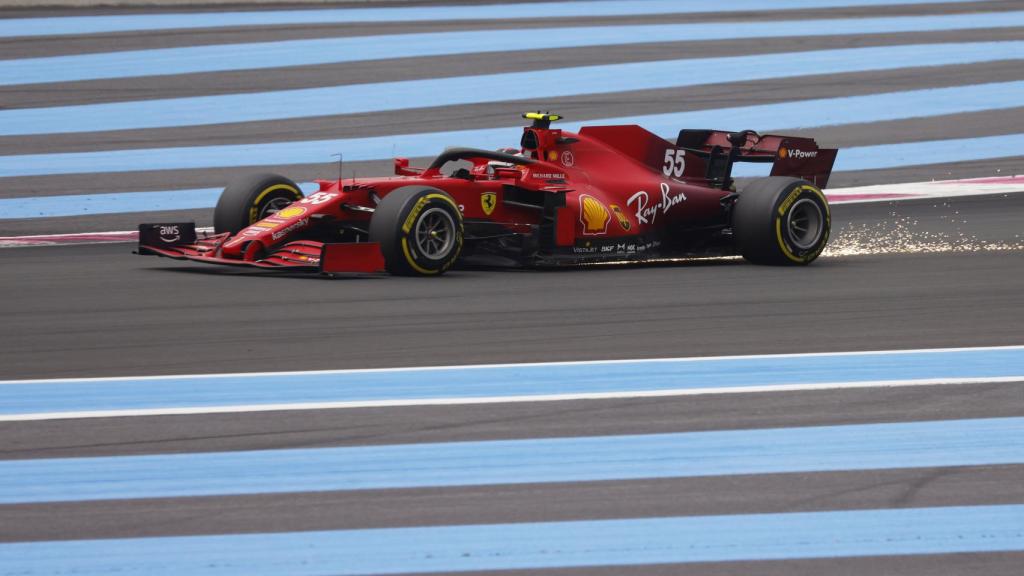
[[541, 119]]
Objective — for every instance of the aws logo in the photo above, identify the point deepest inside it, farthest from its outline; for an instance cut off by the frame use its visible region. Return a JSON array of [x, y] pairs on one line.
[[593, 215]]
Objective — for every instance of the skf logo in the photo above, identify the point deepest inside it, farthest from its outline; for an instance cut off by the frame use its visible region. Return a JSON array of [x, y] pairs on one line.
[[593, 215], [623, 221], [488, 200]]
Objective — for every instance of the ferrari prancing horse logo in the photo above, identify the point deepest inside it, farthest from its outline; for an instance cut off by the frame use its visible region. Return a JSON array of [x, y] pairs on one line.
[[488, 200]]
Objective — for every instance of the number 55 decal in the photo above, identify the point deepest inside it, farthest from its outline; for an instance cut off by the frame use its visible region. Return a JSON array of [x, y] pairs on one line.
[[674, 163], [318, 198]]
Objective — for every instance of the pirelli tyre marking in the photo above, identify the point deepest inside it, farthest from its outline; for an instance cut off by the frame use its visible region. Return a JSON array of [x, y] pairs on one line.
[[802, 224], [434, 234], [256, 213], [419, 230], [780, 220], [251, 198]]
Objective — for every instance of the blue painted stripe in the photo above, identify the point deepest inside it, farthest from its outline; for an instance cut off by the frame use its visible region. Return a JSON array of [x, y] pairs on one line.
[[501, 381], [115, 202], [856, 158], [915, 154], [524, 546], [797, 114], [531, 86], [111, 203], [933, 152], [14, 27], [259, 55], [680, 455]]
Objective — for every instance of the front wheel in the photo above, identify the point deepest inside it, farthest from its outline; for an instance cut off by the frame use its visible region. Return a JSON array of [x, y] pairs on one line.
[[419, 229], [252, 198], [781, 220]]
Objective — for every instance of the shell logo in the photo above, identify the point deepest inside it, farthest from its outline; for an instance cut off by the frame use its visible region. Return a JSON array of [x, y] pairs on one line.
[[593, 215], [783, 152], [291, 212]]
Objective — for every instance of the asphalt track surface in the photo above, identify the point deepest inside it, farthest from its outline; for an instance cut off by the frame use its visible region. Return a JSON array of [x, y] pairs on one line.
[[907, 275], [120, 314], [116, 313]]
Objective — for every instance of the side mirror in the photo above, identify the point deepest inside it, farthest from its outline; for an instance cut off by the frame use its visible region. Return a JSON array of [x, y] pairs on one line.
[[402, 168]]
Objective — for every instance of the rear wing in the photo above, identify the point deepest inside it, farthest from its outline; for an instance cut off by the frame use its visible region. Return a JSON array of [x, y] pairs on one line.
[[789, 155]]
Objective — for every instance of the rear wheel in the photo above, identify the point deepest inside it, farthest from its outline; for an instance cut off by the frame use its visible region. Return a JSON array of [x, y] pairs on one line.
[[781, 220], [252, 198], [419, 229]]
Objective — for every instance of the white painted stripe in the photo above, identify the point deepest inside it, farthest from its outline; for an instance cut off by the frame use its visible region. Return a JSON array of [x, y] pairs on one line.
[[77, 238], [849, 195], [506, 399], [934, 189], [517, 365]]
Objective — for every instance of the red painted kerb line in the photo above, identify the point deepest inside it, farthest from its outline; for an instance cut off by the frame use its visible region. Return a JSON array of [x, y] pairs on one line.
[[853, 197], [132, 236], [86, 238]]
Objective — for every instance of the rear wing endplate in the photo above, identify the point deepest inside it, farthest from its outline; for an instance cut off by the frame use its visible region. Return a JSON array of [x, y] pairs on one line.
[[790, 155]]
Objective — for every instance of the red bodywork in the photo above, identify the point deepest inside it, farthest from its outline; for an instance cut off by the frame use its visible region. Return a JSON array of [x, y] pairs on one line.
[[605, 193]]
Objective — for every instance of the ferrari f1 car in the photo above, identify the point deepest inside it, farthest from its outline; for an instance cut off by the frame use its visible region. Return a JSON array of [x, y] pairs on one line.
[[607, 193]]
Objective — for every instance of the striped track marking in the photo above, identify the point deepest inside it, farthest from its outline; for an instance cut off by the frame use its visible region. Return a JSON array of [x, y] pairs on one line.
[[19, 27], [262, 55], [978, 442], [924, 190], [128, 202], [68, 239], [113, 237], [207, 198], [962, 448], [530, 86], [116, 202], [915, 154], [524, 546], [503, 399], [127, 396], [763, 118]]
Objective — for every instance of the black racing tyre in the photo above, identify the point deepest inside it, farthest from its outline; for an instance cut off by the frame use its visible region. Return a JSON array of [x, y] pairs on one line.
[[781, 220], [252, 198], [419, 229]]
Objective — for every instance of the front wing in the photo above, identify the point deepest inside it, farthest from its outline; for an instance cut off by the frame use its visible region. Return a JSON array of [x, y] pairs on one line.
[[181, 242]]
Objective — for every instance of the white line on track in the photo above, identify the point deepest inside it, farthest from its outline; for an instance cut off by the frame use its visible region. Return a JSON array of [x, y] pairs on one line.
[[450, 400], [853, 195], [926, 190], [519, 365], [506, 399]]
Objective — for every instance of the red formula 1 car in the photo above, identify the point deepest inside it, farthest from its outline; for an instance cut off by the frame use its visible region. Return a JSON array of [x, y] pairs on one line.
[[608, 193]]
